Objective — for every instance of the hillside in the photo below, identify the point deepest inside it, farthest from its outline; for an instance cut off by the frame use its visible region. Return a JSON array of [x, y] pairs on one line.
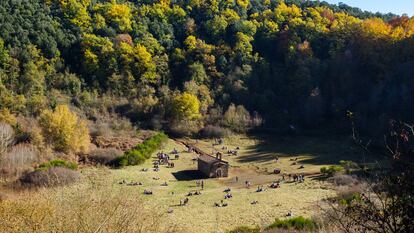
[[304, 64]]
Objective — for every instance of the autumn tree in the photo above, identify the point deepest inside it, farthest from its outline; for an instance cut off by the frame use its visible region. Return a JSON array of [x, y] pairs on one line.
[[186, 106], [63, 129]]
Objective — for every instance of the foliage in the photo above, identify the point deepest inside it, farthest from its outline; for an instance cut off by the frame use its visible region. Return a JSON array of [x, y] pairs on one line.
[[142, 152], [331, 170], [64, 130], [295, 223], [57, 163], [348, 165], [186, 106], [237, 118], [302, 63]]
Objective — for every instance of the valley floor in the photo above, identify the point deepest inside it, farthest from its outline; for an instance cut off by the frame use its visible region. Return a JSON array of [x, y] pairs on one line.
[[255, 162]]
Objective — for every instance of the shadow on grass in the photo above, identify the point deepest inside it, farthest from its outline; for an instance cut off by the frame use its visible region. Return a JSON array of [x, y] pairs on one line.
[[317, 150], [188, 175]]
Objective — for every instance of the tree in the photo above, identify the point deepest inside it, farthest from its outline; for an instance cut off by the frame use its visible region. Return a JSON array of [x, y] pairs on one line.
[[237, 118], [64, 130], [186, 106]]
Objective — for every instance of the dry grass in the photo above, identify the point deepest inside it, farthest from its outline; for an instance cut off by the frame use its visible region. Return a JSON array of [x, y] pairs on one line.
[[78, 209]]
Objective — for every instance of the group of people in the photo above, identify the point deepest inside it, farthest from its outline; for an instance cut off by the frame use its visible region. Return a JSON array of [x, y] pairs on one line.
[[132, 183], [163, 158], [299, 178]]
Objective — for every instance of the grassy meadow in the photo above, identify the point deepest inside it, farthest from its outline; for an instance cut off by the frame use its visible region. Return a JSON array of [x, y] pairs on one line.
[[99, 203]]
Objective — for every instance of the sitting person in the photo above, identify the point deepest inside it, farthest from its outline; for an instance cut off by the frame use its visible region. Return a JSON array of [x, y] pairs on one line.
[[228, 195], [227, 190]]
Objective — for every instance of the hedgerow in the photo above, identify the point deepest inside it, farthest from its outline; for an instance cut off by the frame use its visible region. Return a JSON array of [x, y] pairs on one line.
[[141, 152]]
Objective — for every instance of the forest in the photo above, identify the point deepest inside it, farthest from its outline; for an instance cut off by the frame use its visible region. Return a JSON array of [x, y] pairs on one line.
[[193, 66]]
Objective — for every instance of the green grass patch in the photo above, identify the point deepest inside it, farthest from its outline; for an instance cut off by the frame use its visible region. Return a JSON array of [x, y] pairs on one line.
[[297, 223], [142, 152], [57, 163]]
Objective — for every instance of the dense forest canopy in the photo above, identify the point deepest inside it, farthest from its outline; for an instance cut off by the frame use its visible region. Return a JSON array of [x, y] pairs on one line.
[[201, 61]]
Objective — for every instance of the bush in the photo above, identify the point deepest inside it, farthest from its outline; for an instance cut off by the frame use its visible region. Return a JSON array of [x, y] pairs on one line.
[[142, 151], [348, 165], [58, 163], [18, 160], [6, 137], [185, 127], [104, 156], [296, 223], [55, 176], [342, 180], [212, 131], [331, 170], [245, 229]]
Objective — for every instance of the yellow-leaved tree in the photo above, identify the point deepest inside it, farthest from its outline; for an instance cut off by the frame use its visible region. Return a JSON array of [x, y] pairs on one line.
[[64, 130], [186, 106]]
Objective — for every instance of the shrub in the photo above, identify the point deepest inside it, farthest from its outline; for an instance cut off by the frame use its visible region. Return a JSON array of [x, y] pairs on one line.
[[18, 160], [6, 137], [58, 163], [245, 229], [185, 127], [331, 170], [296, 223], [142, 151], [64, 130], [348, 165], [104, 156], [342, 180], [55, 176], [212, 131]]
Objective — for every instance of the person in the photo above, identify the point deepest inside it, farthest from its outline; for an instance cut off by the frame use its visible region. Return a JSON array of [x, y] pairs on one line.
[[202, 184], [237, 179]]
